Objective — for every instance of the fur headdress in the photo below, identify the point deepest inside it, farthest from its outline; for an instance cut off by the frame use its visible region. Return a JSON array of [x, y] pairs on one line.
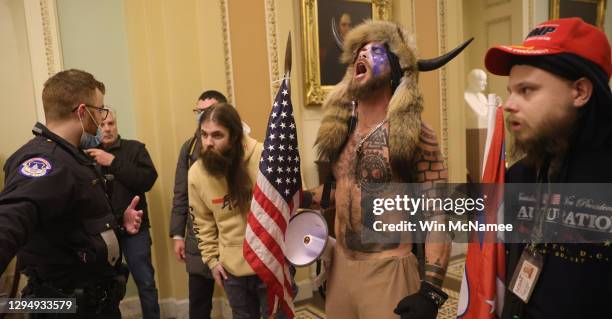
[[405, 106]]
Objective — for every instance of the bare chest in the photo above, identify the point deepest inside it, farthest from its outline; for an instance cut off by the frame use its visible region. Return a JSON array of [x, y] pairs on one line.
[[365, 159], [363, 162]]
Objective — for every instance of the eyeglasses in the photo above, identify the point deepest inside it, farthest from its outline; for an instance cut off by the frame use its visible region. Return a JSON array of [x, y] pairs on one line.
[[103, 111], [197, 111]]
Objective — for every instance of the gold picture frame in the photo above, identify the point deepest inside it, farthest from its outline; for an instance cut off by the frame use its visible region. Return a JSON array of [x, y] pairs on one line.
[[315, 90], [591, 11]]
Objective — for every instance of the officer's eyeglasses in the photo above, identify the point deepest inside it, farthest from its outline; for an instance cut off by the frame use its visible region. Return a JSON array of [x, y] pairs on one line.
[[197, 111], [103, 111]]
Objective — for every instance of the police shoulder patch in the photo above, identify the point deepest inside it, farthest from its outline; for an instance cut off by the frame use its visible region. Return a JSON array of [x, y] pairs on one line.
[[35, 167]]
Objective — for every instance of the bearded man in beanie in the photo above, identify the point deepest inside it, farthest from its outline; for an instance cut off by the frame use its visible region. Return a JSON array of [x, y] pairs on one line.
[[372, 133], [558, 110]]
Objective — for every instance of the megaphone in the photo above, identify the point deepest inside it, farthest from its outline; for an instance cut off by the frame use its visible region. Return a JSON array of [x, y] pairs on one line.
[[307, 238]]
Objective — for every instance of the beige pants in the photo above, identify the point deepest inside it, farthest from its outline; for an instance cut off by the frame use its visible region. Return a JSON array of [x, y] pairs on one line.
[[366, 289]]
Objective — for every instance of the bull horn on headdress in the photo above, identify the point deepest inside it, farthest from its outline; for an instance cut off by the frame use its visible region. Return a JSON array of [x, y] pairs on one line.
[[337, 37], [436, 63]]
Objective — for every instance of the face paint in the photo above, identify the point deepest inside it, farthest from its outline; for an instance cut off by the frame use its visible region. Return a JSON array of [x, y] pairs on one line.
[[380, 62]]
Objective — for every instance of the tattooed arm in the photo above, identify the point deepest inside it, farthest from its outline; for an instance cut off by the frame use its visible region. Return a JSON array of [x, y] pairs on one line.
[[430, 297], [431, 170], [436, 262]]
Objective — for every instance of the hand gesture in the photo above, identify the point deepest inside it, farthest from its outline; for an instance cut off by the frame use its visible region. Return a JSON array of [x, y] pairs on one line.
[[132, 217], [101, 157]]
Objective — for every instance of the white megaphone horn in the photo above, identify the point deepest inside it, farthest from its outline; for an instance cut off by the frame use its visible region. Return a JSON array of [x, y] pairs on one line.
[[307, 238]]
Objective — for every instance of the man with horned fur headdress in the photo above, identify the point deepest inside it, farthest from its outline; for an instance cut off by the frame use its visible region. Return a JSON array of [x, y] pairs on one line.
[[372, 132]]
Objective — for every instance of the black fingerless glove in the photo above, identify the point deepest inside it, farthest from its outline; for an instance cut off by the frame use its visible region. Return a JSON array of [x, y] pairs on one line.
[[422, 305]]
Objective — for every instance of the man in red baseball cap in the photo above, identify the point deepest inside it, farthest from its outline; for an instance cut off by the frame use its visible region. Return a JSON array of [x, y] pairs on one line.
[[559, 111]]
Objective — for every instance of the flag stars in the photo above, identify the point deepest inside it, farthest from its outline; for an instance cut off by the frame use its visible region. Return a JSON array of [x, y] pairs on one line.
[[280, 147]]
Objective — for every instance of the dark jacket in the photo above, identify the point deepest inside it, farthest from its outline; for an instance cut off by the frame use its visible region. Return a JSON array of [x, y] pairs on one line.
[[180, 223], [53, 211], [134, 174], [576, 279]]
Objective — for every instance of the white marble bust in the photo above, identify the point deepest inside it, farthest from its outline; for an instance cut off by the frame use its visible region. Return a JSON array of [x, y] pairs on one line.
[[476, 115]]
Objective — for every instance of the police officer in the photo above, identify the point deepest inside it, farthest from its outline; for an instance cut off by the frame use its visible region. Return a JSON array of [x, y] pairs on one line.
[[54, 211]]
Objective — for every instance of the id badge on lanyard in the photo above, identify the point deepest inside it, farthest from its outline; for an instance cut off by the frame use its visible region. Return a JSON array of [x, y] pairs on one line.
[[529, 267], [527, 273]]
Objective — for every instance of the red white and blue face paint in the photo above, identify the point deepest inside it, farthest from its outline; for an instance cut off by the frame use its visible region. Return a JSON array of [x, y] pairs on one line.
[[372, 56]]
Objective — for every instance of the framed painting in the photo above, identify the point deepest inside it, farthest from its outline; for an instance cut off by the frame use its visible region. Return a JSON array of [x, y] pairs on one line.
[[591, 11], [322, 65]]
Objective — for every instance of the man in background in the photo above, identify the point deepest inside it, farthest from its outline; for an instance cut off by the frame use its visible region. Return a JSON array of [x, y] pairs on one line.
[[201, 283], [130, 172]]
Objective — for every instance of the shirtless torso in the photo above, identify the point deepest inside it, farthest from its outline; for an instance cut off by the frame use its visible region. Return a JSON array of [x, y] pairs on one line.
[[365, 159]]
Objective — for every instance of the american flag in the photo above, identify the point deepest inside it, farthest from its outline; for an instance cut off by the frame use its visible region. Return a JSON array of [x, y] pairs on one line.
[[276, 197]]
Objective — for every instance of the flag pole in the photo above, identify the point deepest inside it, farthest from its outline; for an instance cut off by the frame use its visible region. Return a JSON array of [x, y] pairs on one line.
[[285, 77], [288, 56]]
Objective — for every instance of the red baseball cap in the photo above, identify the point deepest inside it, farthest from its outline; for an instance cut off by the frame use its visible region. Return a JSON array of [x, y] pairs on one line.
[[568, 35]]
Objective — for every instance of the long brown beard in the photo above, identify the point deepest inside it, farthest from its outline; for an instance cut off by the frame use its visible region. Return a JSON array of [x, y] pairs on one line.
[[230, 164], [551, 141], [216, 163], [360, 91]]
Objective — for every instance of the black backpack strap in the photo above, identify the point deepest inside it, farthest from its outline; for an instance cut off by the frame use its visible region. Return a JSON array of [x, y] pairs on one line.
[[331, 182], [327, 188]]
